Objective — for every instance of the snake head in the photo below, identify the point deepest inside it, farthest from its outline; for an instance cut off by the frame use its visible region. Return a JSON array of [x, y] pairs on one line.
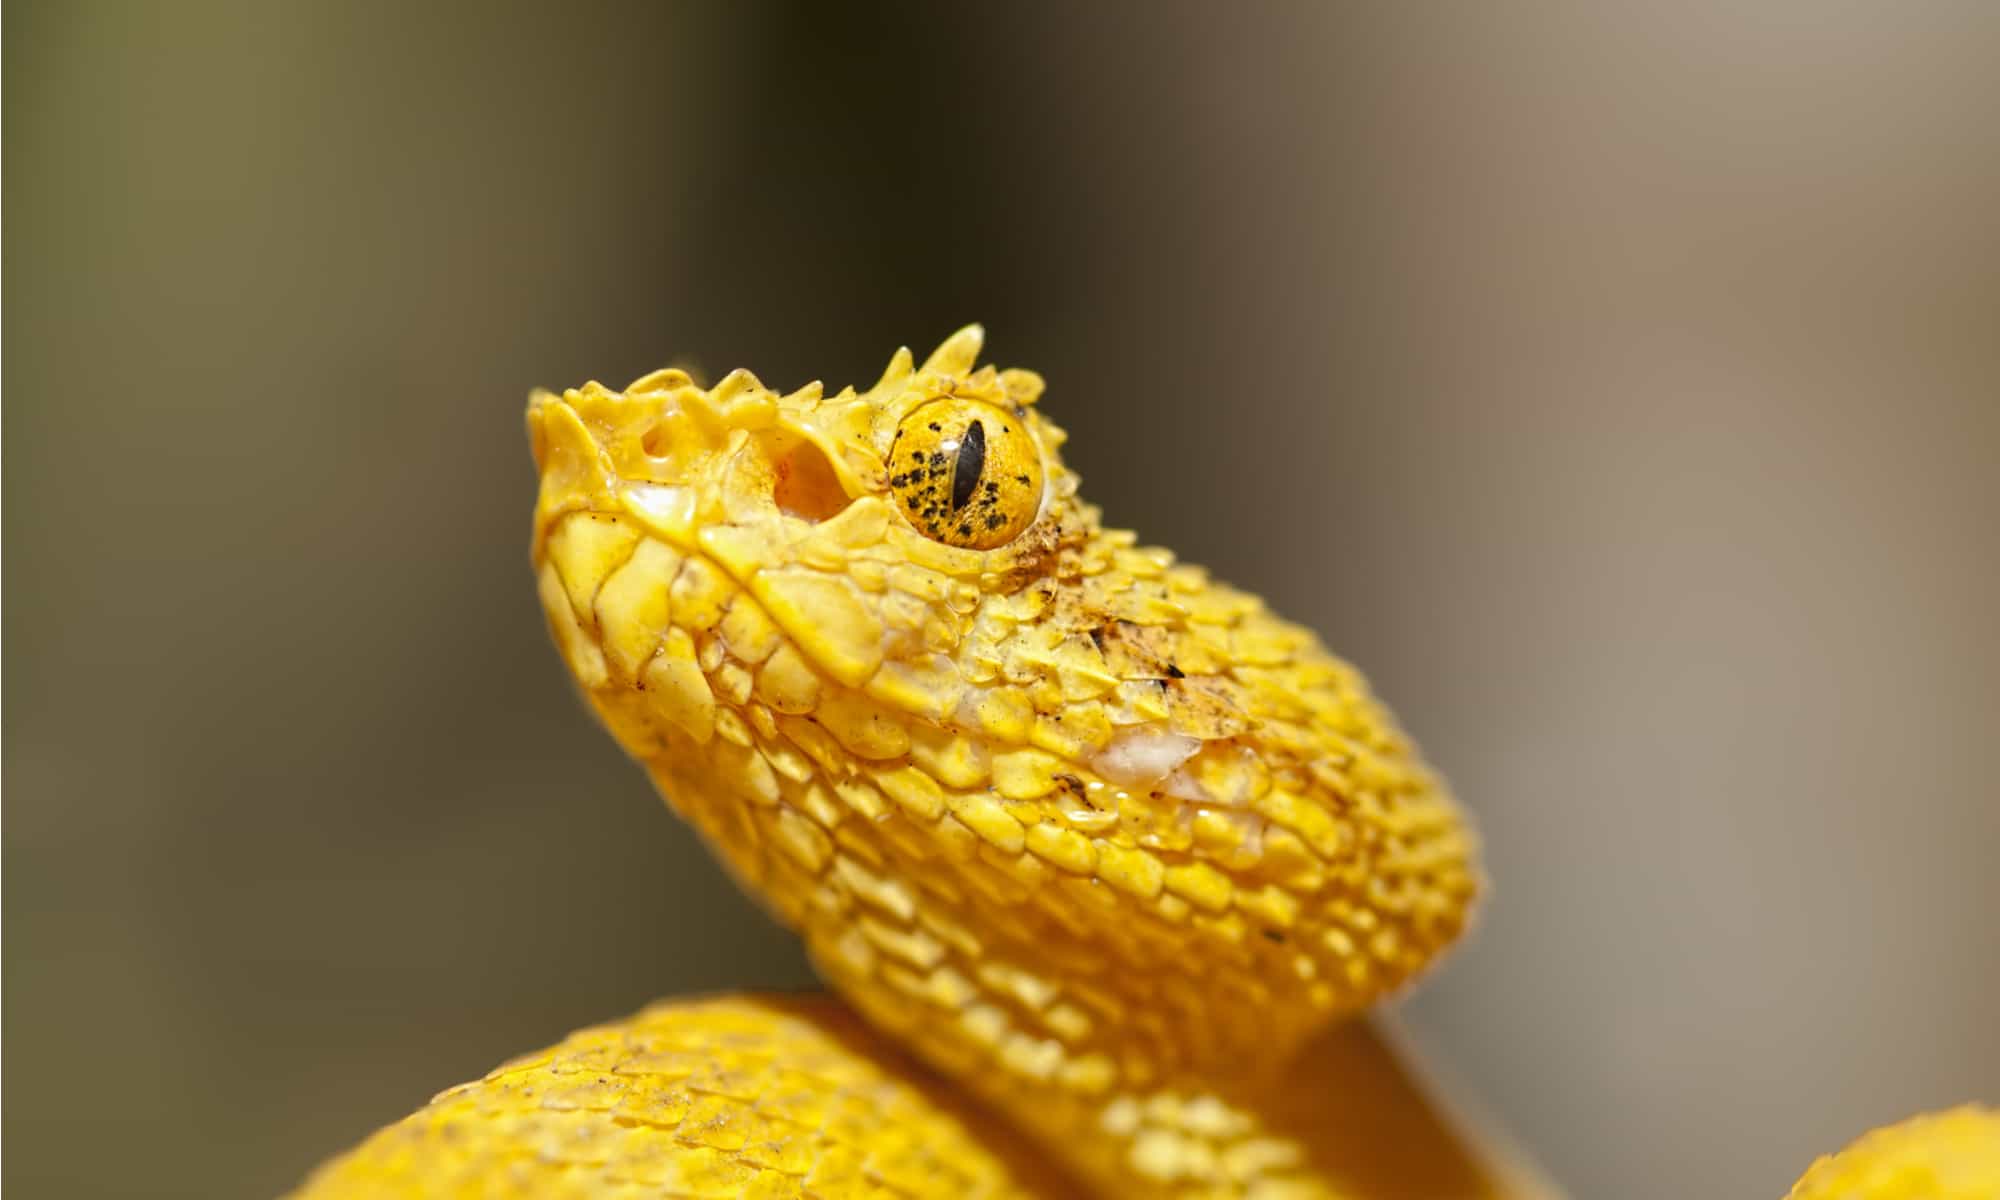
[[864, 527], [999, 764]]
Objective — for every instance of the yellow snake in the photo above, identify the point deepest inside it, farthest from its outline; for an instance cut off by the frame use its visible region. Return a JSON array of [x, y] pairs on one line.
[[1097, 852]]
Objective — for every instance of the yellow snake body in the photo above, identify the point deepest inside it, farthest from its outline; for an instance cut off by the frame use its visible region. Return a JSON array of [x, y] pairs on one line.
[[1099, 850]]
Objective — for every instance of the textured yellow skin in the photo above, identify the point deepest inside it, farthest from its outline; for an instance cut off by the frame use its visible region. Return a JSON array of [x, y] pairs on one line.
[[1952, 1155], [722, 1098], [1101, 841], [1084, 829], [794, 1097]]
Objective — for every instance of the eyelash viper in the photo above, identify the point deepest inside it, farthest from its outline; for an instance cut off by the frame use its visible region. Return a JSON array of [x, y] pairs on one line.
[[1098, 854]]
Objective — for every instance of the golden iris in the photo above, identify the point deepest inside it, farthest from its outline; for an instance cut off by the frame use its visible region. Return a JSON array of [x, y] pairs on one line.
[[966, 474]]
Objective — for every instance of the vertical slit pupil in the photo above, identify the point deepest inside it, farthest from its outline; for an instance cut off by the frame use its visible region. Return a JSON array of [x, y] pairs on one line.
[[971, 461]]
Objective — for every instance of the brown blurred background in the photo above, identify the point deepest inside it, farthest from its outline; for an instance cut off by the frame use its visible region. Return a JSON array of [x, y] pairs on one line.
[[1620, 389]]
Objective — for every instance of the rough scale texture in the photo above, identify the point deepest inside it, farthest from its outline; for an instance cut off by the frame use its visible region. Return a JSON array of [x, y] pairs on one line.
[[795, 1097], [1100, 840], [1090, 832], [720, 1098]]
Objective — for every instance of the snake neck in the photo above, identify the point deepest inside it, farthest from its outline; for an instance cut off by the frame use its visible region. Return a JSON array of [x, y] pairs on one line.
[[1145, 1042], [1109, 867]]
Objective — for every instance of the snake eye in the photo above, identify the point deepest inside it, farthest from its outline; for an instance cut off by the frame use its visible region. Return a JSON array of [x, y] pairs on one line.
[[967, 474]]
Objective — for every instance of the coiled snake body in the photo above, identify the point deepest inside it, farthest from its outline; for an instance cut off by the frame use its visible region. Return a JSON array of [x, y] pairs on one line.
[[1099, 851]]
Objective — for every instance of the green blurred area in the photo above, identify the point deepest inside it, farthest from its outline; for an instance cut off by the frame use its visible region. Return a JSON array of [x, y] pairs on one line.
[[1617, 388]]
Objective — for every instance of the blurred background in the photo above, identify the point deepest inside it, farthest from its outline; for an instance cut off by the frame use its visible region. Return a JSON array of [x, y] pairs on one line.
[[1620, 389]]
